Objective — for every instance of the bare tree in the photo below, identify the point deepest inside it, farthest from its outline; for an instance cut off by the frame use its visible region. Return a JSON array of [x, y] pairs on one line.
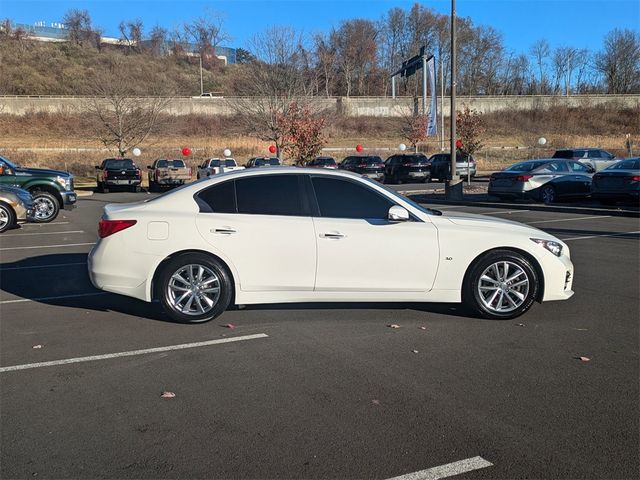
[[79, 28], [207, 33], [131, 33], [540, 52], [327, 61], [125, 120], [274, 83], [356, 47], [157, 40], [619, 62]]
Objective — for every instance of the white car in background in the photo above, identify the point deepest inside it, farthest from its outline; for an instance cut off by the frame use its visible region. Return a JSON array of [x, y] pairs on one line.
[[315, 235], [212, 166]]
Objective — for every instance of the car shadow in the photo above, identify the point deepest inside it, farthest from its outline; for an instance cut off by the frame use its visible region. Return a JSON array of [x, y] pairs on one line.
[[62, 280]]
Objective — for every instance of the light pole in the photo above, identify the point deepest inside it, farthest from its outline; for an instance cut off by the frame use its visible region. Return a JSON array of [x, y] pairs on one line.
[[453, 186], [201, 83]]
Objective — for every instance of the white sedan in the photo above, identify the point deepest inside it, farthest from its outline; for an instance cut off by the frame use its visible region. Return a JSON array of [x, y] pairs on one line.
[[311, 235]]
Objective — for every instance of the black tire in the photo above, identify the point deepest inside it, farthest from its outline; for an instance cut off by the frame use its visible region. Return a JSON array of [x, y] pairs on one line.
[[45, 205], [153, 186], [548, 194], [396, 179], [7, 217], [135, 188], [102, 188], [608, 201], [173, 266], [471, 296]]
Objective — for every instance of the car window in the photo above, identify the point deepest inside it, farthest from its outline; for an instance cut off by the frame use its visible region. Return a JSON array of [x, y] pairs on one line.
[[177, 163], [555, 167], [631, 164], [579, 153], [162, 164], [344, 199], [118, 164], [372, 160], [593, 154], [579, 167], [214, 163], [524, 166], [563, 154], [220, 198], [269, 195]]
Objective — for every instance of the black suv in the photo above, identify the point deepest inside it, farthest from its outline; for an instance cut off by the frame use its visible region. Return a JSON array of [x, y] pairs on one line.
[[441, 166], [322, 162], [412, 167], [369, 166], [118, 172]]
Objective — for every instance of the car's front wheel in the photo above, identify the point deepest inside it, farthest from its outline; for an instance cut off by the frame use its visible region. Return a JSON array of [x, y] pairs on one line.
[[500, 285], [7, 217], [45, 207], [548, 194], [194, 288]]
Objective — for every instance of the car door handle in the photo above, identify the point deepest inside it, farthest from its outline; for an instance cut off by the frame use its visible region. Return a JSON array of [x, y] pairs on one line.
[[223, 231], [333, 235]]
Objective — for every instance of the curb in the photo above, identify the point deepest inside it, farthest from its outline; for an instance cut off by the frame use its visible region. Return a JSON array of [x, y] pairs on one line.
[[614, 212]]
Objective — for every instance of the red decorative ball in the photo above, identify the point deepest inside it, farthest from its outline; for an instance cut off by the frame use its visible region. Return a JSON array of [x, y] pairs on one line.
[[358, 148], [458, 143], [186, 151], [272, 149]]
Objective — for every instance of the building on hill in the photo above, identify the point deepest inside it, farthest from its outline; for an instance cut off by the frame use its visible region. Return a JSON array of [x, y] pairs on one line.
[[56, 32]]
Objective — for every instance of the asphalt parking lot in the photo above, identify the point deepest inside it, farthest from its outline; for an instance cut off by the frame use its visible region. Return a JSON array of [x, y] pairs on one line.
[[318, 391]]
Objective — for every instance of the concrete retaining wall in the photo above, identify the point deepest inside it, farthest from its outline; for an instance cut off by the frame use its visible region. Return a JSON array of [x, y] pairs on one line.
[[352, 107]]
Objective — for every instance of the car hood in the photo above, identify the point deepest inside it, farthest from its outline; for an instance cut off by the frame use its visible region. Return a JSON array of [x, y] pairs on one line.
[[484, 221], [41, 172]]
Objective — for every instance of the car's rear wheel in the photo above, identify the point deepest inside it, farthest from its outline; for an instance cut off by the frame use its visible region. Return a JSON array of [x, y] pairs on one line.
[[501, 285], [194, 288], [548, 194], [45, 207], [7, 217]]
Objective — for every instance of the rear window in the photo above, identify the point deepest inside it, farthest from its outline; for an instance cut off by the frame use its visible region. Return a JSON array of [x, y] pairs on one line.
[[170, 163], [372, 160], [267, 161], [325, 161], [524, 166], [119, 164], [230, 162], [414, 159], [563, 154], [631, 164]]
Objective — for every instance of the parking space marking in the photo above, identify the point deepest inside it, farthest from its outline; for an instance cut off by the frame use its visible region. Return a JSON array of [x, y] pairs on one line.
[[448, 470], [42, 266], [503, 211], [41, 233], [131, 353], [49, 246], [59, 297], [43, 224], [569, 219], [598, 236]]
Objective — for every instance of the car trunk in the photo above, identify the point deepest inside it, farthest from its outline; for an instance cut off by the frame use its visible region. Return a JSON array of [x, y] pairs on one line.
[[614, 180], [508, 179]]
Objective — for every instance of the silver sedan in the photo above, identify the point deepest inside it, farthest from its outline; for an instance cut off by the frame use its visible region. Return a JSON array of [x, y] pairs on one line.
[[546, 180]]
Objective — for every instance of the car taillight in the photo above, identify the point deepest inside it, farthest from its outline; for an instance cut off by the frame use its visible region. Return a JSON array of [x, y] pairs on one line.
[[407, 164], [105, 174], [138, 173], [362, 165], [635, 178], [523, 178], [109, 227]]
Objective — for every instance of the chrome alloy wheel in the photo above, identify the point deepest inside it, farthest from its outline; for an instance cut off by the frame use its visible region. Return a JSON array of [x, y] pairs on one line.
[[503, 287], [4, 218], [193, 289], [43, 208]]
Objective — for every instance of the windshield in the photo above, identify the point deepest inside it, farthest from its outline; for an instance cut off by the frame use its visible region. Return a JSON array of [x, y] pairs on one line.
[[229, 162], [9, 164], [630, 164], [267, 161], [372, 160], [118, 164], [524, 166], [325, 161]]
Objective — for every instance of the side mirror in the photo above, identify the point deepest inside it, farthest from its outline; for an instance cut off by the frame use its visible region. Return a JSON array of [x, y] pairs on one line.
[[398, 214], [591, 169], [149, 167], [97, 167]]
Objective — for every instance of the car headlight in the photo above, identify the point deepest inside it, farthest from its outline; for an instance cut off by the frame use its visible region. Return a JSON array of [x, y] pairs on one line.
[[62, 181], [553, 247]]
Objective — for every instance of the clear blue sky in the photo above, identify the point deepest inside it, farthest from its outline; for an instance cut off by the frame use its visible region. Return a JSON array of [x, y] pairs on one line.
[[578, 23]]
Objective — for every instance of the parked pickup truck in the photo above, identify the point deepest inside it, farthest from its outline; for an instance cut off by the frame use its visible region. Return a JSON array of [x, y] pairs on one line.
[[212, 167], [51, 189], [118, 172], [168, 173]]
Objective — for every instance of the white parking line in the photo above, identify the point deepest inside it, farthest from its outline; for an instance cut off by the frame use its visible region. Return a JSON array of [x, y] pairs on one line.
[[42, 266], [598, 236], [503, 211], [131, 353], [569, 219], [448, 470], [59, 297], [43, 224], [49, 246], [40, 233]]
